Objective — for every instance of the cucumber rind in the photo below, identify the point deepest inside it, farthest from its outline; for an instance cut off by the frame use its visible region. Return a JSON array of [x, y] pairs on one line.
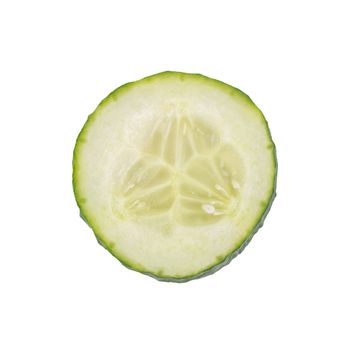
[[230, 256]]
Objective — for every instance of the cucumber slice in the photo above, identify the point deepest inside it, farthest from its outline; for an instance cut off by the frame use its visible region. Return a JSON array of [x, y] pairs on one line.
[[175, 173]]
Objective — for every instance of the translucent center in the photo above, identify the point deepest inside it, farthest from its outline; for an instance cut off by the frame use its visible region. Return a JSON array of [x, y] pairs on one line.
[[184, 171]]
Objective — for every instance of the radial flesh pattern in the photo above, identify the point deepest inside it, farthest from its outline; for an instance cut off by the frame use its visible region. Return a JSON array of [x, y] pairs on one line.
[[175, 173], [183, 171]]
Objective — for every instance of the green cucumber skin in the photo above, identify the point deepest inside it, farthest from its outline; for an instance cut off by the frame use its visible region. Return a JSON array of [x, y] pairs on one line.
[[80, 140]]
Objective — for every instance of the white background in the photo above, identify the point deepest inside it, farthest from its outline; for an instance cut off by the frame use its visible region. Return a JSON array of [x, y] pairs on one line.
[[289, 289]]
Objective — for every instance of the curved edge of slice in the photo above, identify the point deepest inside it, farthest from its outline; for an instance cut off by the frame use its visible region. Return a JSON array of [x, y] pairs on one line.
[[109, 247]]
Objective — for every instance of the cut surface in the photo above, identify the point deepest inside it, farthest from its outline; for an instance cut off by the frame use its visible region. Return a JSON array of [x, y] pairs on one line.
[[183, 171], [174, 173]]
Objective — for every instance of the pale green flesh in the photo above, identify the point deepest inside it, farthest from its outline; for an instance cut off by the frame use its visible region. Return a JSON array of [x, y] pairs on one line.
[[174, 173]]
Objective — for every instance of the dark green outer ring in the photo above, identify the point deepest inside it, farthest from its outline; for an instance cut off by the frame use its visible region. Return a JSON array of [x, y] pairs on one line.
[[243, 244]]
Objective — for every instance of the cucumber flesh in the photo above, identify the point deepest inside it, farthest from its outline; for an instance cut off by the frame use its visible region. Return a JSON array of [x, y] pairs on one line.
[[175, 173]]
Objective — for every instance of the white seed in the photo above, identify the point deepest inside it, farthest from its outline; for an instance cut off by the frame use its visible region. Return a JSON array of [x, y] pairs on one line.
[[200, 131], [130, 187], [209, 209], [220, 189], [235, 185], [134, 203], [223, 168]]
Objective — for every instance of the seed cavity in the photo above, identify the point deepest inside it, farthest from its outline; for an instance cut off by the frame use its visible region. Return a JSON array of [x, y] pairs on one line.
[[183, 172]]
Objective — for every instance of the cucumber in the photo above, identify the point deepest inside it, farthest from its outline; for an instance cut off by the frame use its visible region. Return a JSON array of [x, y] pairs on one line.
[[175, 173]]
